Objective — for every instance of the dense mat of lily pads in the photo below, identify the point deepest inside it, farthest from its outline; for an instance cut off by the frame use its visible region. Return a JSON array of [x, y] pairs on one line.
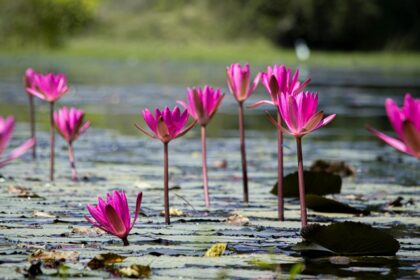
[[38, 215]]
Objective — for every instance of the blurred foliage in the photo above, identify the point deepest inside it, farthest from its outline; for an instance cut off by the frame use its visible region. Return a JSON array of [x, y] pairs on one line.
[[323, 24], [44, 21]]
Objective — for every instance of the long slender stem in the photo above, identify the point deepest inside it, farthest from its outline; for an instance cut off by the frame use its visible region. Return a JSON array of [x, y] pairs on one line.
[[32, 120], [125, 241], [280, 199], [243, 151], [166, 182], [52, 141], [303, 217], [72, 163], [204, 157]]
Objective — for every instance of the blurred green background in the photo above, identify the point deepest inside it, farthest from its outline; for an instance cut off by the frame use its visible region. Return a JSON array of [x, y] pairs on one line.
[[375, 32]]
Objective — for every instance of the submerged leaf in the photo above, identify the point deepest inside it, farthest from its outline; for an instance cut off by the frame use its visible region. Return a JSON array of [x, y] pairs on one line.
[[135, 271], [349, 239], [103, 260], [216, 250], [320, 183], [322, 204]]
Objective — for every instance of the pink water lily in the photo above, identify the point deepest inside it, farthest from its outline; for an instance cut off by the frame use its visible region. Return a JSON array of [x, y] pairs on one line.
[[283, 82], [239, 83], [113, 216], [29, 84], [166, 125], [49, 87], [202, 105], [299, 112], [70, 124], [406, 124], [6, 132]]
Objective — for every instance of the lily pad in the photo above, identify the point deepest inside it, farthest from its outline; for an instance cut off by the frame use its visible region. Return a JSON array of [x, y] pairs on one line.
[[322, 204], [346, 239], [320, 183]]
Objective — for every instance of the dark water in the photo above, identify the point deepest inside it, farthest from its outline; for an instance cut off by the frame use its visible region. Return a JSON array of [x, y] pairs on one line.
[[112, 155]]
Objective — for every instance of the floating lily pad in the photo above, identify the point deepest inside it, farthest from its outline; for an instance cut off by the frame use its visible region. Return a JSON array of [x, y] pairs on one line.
[[322, 204], [348, 239], [320, 183]]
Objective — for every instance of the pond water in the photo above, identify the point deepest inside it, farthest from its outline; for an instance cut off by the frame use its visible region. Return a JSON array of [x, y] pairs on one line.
[[112, 155]]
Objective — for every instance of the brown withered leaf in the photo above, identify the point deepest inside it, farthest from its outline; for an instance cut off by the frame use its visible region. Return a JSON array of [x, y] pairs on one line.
[[336, 167], [216, 250], [22, 192], [221, 164], [53, 258], [103, 260], [135, 271], [87, 230], [237, 220]]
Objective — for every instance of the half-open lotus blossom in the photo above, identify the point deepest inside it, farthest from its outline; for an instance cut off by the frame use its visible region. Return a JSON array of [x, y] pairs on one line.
[[49, 87], [239, 83], [29, 83], [113, 216], [299, 112], [70, 124], [202, 105], [279, 79], [6, 131], [166, 125], [406, 124]]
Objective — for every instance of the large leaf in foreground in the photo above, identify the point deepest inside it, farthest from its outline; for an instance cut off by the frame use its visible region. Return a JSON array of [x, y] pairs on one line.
[[320, 183], [348, 239], [326, 205]]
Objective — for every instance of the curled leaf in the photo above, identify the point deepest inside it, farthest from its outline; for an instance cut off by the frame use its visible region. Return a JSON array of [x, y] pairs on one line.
[[237, 220], [135, 271], [174, 212], [54, 257], [216, 250], [103, 260], [326, 205], [336, 167]]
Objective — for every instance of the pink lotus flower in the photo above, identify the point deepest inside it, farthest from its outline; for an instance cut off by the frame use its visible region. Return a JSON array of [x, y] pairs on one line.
[[113, 216], [29, 83], [69, 123], [283, 82], [239, 81], [299, 113], [6, 131], [49, 87], [203, 103], [406, 124], [166, 126]]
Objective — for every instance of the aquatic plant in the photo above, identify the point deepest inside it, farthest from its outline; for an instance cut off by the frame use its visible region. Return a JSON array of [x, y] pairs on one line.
[[49, 87], [202, 105], [166, 125], [113, 216], [406, 123], [70, 125], [279, 79], [299, 113], [7, 126], [29, 83], [238, 80]]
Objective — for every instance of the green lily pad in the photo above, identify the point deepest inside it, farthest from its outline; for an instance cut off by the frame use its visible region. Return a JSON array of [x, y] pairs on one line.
[[346, 239], [326, 205], [320, 183]]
